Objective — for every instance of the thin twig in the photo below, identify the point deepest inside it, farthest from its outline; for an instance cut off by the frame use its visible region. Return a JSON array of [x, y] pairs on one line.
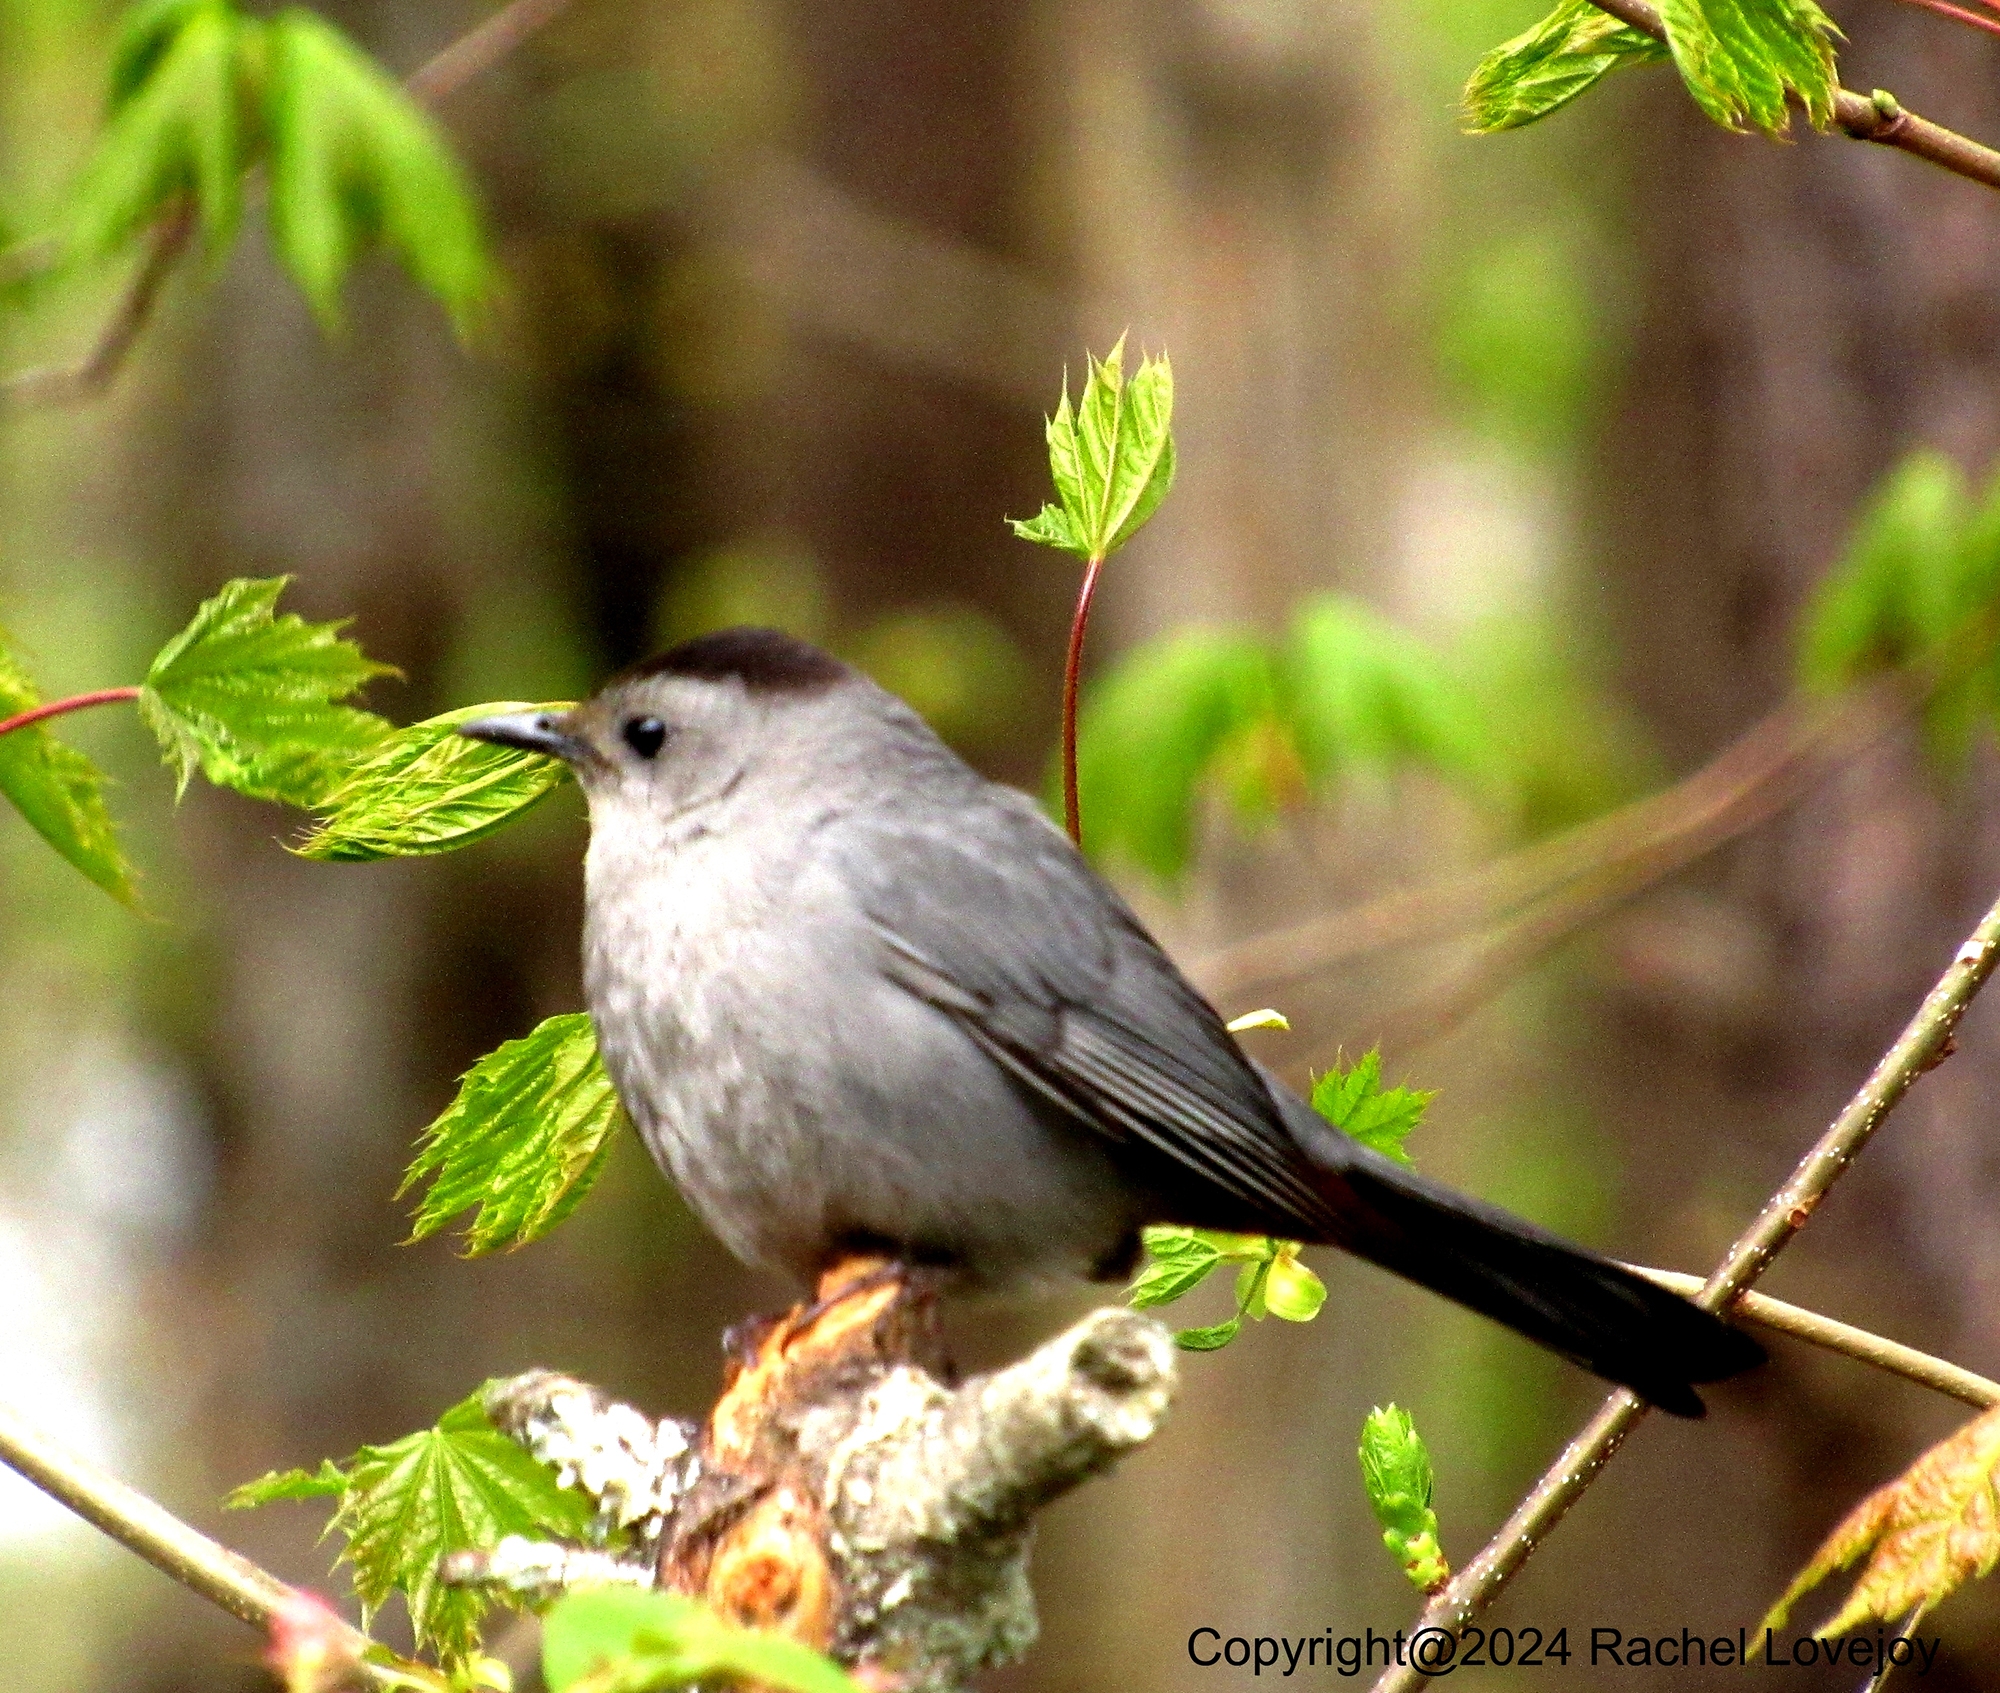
[[1957, 14], [1879, 119], [440, 76], [481, 48], [186, 1554], [1899, 1360], [59, 708], [68, 385], [1922, 1044]]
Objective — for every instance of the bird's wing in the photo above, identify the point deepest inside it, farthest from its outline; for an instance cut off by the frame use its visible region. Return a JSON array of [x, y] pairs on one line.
[[992, 917]]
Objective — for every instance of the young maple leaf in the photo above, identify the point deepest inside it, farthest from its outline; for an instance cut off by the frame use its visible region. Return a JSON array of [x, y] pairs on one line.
[[1925, 1534]]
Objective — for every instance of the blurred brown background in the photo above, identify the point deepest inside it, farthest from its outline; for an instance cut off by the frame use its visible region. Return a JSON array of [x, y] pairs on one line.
[[790, 286]]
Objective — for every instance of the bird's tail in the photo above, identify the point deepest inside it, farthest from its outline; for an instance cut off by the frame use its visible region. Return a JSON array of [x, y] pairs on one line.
[[1596, 1313]]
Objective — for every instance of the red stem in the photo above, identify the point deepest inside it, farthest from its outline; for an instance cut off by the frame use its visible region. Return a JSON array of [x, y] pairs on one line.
[[56, 708], [1945, 10], [1072, 811]]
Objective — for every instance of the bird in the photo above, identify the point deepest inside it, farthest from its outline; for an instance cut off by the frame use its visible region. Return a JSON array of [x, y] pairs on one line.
[[858, 999]]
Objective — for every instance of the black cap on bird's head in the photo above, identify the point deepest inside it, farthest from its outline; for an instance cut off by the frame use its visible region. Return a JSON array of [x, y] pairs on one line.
[[677, 727], [761, 662]]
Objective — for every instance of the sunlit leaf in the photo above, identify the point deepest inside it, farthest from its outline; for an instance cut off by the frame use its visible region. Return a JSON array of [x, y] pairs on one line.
[[1740, 59], [1925, 1535], [622, 1640], [1291, 1292], [248, 698], [355, 162], [1396, 1469], [58, 790], [1111, 457], [428, 789], [176, 126], [405, 1507], [1178, 1260], [523, 1141], [1548, 66], [1354, 1101]]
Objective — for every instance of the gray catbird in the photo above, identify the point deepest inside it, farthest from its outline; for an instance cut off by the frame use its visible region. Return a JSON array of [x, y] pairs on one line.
[[857, 998]]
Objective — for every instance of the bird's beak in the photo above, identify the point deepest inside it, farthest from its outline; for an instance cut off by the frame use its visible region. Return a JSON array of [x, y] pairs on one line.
[[531, 731]]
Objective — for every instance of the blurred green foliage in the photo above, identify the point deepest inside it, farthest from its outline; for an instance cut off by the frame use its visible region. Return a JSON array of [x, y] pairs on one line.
[[1917, 590], [1508, 718], [201, 93], [952, 661]]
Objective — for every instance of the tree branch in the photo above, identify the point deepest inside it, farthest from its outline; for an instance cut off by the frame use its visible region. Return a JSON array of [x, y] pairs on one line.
[[1899, 1360], [1924, 1042], [1879, 119], [844, 1496], [186, 1554]]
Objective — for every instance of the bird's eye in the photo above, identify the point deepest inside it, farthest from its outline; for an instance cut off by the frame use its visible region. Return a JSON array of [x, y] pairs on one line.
[[645, 735]]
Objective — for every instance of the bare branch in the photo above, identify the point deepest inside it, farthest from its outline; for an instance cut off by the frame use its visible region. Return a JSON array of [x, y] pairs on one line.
[[186, 1554], [481, 48], [1923, 1043]]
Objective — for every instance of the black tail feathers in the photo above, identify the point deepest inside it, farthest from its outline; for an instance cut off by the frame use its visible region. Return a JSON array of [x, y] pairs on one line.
[[1594, 1312]]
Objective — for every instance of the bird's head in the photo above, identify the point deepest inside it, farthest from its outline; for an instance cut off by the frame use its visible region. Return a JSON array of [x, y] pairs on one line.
[[684, 727]]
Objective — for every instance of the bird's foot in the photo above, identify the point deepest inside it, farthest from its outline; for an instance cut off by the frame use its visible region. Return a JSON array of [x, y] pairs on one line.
[[743, 1342]]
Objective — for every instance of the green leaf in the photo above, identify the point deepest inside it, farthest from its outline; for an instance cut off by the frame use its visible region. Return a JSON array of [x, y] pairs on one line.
[[1270, 1281], [1153, 731], [1178, 1261], [1550, 65], [356, 162], [1359, 693], [428, 789], [176, 126], [1901, 585], [1741, 58], [405, 1507], [246, 698], [1051, 527], [1354, 1101], [58, 790], [329, 1481], [523, 1141], [622, 1640], [1396, 1469], [1213, 1338], [1111, 458]]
